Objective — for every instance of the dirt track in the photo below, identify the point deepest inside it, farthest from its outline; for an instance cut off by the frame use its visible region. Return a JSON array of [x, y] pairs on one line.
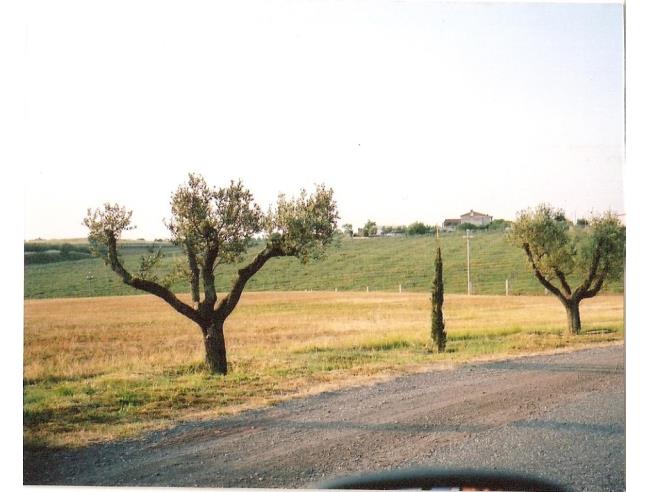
[[556, 416]]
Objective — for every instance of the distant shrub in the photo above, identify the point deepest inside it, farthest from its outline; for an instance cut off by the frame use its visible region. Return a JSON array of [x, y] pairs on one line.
[[370, 229], [40, 253], [496, 225], [36, 247], [400, 229], [468, 227], [419, 228], [499, 224], [42, 258]]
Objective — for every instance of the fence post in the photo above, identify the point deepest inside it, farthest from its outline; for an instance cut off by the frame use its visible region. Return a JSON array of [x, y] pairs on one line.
[[507, 287], [400, 288]]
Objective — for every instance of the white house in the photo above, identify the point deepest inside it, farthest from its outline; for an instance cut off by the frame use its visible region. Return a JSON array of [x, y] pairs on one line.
[[476, 218], [472, 217]]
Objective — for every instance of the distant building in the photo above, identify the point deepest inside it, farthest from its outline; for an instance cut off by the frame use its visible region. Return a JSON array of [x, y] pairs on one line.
[[451, 224], [472, 217], [476, 218], [390, 231]]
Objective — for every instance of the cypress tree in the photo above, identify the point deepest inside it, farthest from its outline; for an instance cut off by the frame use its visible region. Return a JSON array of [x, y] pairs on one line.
[[438, 325]]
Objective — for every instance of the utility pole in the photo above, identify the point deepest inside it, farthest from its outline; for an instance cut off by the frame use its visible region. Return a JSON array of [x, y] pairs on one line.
[[468, 238]]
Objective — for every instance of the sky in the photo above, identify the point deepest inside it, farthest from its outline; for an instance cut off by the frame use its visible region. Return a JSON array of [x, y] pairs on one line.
[[409, 110]]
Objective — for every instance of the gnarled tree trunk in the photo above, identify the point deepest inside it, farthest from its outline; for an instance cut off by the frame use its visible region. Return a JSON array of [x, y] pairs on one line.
[[215, 352], [573, 316]]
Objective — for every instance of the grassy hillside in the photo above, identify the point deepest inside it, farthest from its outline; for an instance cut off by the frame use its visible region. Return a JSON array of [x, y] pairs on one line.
[[381, 263]]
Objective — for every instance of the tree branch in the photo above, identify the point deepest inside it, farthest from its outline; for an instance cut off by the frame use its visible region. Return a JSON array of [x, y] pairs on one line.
[[593, 270], [597, 286], [229, 302], [583, 291], [148, 286], [548, 285], [563, 281], [195, 275], [207, 306]]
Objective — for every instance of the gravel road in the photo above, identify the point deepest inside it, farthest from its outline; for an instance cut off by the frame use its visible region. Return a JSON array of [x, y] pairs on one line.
[[560, 417]]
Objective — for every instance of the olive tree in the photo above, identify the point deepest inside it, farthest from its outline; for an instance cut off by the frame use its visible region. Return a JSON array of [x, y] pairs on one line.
[[214, 226], [560, 255]]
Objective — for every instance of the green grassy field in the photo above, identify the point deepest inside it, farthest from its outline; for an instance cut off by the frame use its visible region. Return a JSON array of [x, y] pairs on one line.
[[381, 263]]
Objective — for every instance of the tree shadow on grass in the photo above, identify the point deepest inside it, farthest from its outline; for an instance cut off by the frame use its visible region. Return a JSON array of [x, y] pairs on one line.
[[90, 414], [54, 379]]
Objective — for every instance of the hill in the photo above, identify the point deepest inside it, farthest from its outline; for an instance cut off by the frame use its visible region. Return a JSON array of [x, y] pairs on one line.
[[379, 263]]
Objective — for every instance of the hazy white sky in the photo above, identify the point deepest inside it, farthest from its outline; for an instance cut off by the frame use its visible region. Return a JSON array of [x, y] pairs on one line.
[[410, 110]]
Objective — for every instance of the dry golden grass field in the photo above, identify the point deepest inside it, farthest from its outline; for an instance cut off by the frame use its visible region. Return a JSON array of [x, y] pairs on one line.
[[101, 368]]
